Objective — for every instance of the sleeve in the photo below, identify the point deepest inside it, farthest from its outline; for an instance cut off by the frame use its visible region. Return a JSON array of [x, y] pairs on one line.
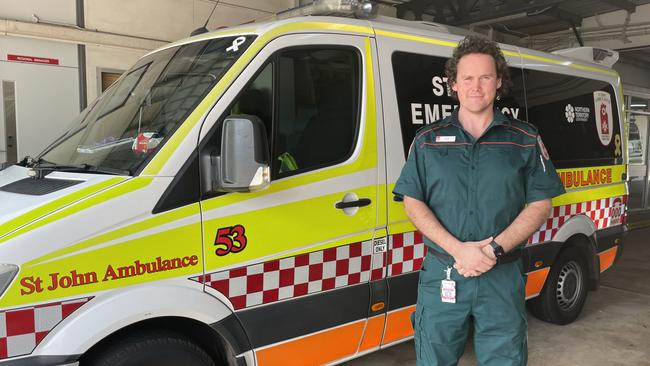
[[411, 180], [542, 181]]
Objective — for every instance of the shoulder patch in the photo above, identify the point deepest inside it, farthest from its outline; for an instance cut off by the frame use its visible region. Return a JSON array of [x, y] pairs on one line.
[[542, 148]]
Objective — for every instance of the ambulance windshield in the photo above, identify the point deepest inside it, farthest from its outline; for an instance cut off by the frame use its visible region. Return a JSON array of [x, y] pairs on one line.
[[131, 121]]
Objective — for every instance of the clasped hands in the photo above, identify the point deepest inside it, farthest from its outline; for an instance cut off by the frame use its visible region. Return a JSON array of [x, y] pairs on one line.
[[473, 258]]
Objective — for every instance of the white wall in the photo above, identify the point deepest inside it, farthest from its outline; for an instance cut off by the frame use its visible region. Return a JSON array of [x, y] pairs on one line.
[[104, 58], [60, 11], [171, 20], [167, 20], [47, 96]]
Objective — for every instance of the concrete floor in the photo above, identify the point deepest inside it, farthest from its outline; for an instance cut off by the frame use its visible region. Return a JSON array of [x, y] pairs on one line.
[[613, 328]]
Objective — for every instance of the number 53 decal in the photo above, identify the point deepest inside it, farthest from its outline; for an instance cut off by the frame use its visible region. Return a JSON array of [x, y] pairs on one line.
[[230, 239]]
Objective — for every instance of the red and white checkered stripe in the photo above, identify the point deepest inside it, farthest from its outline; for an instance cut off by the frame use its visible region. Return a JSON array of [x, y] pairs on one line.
[[304, 274], [604, 213], [21, 330], [407, 251], [296, 276]]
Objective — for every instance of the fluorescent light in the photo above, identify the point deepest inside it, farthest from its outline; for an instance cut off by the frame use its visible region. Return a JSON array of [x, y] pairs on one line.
[[638, 105]]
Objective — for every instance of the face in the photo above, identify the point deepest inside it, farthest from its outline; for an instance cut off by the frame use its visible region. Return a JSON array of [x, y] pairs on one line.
[[476, 82]]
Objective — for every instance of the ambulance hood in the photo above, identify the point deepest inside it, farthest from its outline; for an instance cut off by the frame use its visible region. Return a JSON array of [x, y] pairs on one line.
[[24, 200]]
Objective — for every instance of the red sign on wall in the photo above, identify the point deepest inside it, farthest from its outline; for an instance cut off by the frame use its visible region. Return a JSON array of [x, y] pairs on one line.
[[33, 59]]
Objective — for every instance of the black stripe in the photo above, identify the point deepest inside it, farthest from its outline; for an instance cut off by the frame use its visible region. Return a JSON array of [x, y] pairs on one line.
[[232, 331], [545, 252], [605, 238], [403, 290], [378, 292], [41, 361], [289, 319]]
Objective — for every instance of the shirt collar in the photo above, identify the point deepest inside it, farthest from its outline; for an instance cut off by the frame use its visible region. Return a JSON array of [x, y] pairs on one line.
[[498, 118]]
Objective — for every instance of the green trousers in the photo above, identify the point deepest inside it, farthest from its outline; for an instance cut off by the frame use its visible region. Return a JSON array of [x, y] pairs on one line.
[[496, 303]]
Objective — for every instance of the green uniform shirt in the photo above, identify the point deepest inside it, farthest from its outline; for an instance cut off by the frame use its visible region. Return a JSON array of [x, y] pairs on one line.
[[476, 188]]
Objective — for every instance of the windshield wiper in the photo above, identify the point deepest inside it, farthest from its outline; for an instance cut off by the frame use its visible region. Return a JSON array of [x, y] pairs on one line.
[[43, 167]]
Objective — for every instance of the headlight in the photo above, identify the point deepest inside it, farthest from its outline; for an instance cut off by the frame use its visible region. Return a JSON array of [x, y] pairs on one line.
[[7, 273]]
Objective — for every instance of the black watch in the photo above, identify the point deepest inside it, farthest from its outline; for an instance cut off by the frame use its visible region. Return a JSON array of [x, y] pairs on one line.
[[498, 250]]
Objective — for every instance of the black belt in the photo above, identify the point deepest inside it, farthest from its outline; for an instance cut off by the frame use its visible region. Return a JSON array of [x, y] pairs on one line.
[[507, 258]]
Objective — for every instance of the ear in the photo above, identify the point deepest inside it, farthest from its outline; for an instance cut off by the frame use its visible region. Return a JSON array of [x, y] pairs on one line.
[[453, 86], [498, 83]]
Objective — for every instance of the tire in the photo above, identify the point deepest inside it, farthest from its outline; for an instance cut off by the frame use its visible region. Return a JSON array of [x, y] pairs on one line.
[[155, 348], [565, 290]]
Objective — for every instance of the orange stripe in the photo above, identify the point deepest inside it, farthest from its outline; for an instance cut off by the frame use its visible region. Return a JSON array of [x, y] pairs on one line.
[[398, 324], [535, 281], [374, 330], [314, 349], [607, 258]]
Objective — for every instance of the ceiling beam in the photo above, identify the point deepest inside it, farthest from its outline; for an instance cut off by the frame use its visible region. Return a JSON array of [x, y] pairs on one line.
[[509, 9], [622, 4], [418, 7], [561, 14]]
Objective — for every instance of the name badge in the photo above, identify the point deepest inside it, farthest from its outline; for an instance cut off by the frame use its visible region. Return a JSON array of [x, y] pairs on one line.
[[445, 138], [448, 291], [448, 288]]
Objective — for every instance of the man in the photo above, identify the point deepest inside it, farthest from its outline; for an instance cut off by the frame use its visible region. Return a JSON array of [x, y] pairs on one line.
[[476, 184]]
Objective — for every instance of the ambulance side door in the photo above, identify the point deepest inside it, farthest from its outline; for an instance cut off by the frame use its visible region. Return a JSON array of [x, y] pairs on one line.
[[294, 260]]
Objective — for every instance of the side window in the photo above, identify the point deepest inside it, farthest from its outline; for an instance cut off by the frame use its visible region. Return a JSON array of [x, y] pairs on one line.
[[309, 101], [257, 99], [577, 118], [318, 98], [424, 95]]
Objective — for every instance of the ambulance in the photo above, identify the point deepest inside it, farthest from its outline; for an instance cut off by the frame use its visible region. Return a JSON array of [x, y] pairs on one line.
[[228, 200]]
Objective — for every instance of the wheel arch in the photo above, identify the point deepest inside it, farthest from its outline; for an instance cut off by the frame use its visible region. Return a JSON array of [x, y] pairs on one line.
[[587, 246], [173, 306], [580, 231]]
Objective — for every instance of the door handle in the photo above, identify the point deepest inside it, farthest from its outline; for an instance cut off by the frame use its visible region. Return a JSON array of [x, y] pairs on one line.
[[361, 202]]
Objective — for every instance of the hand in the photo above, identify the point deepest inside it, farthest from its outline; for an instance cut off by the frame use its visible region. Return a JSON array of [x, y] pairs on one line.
[[474, 258], [489, 251]]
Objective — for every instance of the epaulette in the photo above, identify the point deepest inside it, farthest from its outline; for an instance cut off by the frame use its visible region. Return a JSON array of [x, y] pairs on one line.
[[523, 126]]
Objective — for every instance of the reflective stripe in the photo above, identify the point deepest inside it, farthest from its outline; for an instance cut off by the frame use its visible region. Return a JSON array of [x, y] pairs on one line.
[[607, 258], [26, 218], [21, 330], [591, 194], [314, 349], [398, 324], [535, 282], [103, 196]]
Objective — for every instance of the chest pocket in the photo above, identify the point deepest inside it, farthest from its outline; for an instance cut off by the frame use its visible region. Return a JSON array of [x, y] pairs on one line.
[[504, 163], [446, 170]]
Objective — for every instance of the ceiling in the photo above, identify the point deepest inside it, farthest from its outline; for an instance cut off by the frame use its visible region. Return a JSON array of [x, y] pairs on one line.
[[523, 21]]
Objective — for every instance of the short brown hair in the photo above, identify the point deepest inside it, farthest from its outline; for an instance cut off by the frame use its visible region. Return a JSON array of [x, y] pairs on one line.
[[478, 44]]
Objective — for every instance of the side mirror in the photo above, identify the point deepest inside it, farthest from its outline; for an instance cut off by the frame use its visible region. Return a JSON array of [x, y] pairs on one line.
[[243, 161]]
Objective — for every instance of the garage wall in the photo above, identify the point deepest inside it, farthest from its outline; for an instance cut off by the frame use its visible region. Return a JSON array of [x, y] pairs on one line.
[[62, 11], [164, 20], [47, 95]]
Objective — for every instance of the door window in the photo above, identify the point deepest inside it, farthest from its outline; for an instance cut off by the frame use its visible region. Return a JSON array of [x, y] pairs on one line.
[[308, 99], [637, 130]]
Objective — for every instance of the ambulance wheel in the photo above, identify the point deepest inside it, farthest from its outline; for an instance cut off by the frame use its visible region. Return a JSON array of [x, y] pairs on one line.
[[565, 290], [160, 348]]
